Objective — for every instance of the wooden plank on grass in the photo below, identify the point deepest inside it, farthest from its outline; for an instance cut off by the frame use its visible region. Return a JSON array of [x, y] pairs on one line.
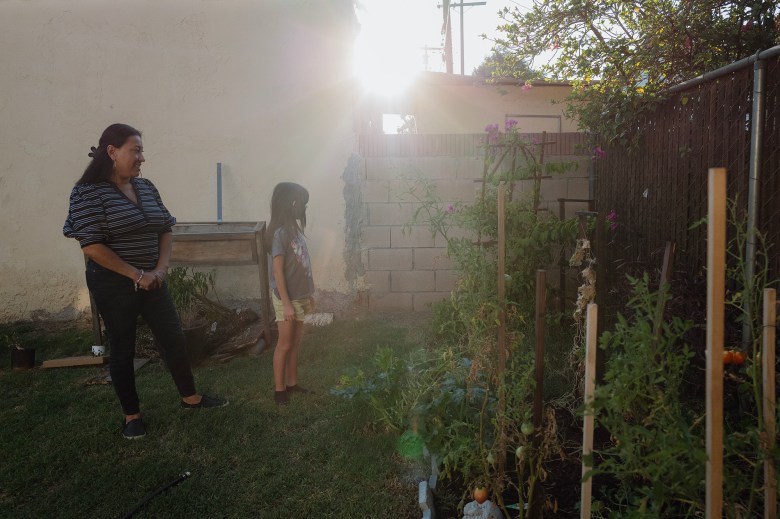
[[716, 281], [770, 400], [591, 343], [69, 362]]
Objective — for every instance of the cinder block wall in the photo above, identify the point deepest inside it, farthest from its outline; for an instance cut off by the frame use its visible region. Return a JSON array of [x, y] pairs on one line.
[[404, 266]]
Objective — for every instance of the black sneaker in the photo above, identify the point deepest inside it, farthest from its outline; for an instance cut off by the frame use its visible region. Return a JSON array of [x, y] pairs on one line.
[[281, 398], [134, 429], [205, 402], [298, 389]]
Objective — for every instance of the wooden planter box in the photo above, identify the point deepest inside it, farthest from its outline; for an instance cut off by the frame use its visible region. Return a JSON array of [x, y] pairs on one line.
[[219, 244], [225, 244]]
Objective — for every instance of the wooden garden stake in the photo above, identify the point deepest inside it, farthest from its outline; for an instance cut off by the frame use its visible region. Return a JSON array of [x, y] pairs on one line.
[[541, 305], [770, 399], [501, 327], [716, 279], [591, 343], [666, 275], [535, 506]]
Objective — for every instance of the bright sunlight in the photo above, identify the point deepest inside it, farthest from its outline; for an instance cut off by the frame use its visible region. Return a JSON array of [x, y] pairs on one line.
[[389, 50]]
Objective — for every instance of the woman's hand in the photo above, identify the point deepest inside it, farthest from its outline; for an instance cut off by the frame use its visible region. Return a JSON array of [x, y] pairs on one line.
[[289, 311], [159, 275], [148, 281]]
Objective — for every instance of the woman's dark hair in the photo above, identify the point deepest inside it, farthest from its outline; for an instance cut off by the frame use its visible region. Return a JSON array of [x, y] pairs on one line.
[[102, 167], [288, 211]]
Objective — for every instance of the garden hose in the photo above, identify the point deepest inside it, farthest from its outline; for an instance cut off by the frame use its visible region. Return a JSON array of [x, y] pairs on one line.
[[145, 500]]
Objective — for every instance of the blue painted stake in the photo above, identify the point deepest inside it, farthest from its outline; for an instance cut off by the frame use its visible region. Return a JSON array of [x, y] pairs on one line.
[[219, 192]]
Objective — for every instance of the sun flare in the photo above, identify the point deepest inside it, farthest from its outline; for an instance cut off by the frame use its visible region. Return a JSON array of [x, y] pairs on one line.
[[387, 55]]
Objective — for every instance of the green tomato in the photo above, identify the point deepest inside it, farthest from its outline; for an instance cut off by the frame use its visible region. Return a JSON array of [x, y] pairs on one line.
[[519, 452], [527, 428], [490, 458]]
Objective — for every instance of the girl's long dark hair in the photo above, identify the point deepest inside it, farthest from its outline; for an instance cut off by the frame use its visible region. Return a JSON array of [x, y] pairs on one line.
[[288, 211], [102, 167]]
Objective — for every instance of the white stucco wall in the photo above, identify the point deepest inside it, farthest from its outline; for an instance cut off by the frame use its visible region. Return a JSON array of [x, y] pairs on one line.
[[261, 86], [447, 104]]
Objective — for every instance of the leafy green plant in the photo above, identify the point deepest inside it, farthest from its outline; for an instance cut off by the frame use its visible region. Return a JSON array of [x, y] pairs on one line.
[[470, 412], [188, 289], [656, 459]]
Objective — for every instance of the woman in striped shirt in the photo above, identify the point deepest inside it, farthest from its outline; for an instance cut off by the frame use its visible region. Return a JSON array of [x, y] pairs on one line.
[[125, 231]]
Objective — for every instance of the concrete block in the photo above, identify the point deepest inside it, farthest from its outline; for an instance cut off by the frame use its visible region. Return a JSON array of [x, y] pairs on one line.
[[434, 478], [555, 188], [412, 281], [578, 187], [388, 168], [424, 496], [467, 167], [446, 280], [390, 213], [375, 237], [390, 259], [414, 236], [431, 258], [377, 280], [390, 301], [433, 168], [376, 191], [454, 232], [423, 300]]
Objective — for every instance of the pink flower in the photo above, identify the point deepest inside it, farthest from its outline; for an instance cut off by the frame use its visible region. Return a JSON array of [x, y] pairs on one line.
[[599, 153], [526, 87], [612, 219], [450, 209], [510, 124], [492, 131]]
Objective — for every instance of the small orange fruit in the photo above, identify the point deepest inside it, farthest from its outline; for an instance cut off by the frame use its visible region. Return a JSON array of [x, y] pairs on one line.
[[738, 357], [728, 356], [480, 494]]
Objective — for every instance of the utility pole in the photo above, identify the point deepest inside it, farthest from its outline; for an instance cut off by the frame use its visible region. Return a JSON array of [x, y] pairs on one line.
[[447, 30], [448, 36]]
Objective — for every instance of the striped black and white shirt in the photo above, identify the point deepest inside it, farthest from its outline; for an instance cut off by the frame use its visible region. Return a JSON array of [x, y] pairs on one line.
[[101, 213]]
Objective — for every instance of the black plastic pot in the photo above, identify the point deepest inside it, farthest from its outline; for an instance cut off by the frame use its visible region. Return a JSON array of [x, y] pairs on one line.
[[22, 358], [197, 342]]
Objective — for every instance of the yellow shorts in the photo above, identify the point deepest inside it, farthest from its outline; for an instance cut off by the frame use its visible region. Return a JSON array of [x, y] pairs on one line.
[[301, 307]]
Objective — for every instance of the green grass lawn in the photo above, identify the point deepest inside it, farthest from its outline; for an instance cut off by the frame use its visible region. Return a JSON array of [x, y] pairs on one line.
[[62, 455]]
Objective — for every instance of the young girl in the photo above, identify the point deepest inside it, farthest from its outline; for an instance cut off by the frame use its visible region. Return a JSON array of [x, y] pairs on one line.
[[291, 282]]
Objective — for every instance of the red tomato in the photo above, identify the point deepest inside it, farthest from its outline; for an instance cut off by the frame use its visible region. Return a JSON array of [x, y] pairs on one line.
[[480, 494], [728, 357], [738, 357]]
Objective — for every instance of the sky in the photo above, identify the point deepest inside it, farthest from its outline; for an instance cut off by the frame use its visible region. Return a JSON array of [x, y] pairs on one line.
[[395, 34]]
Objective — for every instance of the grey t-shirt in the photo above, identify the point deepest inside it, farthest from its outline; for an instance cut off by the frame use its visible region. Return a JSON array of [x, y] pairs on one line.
[[297, 265]]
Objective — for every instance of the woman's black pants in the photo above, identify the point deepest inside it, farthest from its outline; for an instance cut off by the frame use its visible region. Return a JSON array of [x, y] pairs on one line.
[[119, 304]]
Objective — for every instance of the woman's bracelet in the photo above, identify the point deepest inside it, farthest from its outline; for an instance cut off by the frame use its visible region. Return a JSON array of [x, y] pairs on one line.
[[140, 277]]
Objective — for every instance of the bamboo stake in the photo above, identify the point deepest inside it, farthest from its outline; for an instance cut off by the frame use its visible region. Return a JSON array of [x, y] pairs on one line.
[[535, 506], [501, 327], [716, 268], [591, 342], [666, 275], [541, 305], [770, 400]]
